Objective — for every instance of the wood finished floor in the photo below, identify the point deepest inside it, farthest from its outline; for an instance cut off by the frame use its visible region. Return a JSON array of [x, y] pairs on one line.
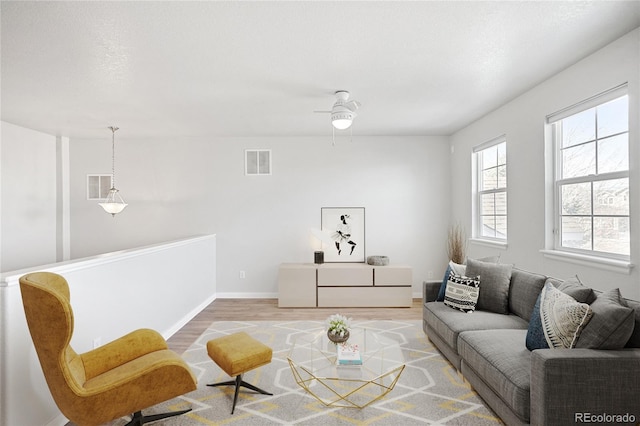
[[267, 310]]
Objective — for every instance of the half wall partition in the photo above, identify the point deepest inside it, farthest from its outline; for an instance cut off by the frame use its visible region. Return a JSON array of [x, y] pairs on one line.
[[160, 287]]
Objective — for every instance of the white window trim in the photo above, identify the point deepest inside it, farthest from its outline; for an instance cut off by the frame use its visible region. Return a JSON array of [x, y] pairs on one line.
[[553, 250], [589, 103], [599, 262], [499, 244], [475, 203]]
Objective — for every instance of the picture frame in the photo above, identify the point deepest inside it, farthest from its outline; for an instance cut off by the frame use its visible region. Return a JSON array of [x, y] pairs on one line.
[[344, 231]]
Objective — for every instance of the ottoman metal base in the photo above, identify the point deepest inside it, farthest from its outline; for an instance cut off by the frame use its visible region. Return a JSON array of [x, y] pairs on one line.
[[238, 382]]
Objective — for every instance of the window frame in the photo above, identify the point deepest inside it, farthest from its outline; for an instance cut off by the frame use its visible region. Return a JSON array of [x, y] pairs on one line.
[[554, 132], [478, 192]]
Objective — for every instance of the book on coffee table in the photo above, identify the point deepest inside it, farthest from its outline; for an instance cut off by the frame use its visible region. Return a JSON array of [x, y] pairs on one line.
[[349, 354]]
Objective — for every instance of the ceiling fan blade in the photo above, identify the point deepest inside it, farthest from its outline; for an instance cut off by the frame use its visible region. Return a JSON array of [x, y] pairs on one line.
[[323, 112], [353, 105]]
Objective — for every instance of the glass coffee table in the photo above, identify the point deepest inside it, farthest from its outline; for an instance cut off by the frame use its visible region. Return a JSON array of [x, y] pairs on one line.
[[313, 362]]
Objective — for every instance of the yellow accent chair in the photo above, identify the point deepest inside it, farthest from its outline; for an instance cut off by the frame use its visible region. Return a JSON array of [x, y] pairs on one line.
[[117, 379]]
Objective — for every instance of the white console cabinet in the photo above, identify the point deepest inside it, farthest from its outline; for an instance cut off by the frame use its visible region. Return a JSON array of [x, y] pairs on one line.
[[344, 285]]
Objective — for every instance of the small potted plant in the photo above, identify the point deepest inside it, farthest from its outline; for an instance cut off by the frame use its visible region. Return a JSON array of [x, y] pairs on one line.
[[338, 327]]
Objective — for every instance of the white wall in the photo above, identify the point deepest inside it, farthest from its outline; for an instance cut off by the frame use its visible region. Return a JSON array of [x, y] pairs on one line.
[[522, 120], [28, 198], [186, 186]]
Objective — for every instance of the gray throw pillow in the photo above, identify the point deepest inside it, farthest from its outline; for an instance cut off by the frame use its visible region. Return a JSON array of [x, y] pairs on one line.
[[495, 279], [574, 288], [611, 325]]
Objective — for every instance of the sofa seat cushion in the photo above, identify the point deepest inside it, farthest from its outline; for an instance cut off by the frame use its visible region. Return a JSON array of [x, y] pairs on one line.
[[501, 359], [449, 323]]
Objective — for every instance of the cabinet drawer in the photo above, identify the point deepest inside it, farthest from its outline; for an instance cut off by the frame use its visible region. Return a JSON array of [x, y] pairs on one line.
[[393, 275], [364, 297], [345, 275]]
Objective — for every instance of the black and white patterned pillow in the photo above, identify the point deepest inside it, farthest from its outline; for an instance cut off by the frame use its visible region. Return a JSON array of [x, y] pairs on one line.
[[462, 292]]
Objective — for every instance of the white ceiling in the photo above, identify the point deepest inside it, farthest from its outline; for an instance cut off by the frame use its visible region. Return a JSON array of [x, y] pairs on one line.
[[223, 68]]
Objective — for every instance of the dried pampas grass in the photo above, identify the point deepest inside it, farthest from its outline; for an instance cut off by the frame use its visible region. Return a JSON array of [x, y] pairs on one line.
[[456, 244]]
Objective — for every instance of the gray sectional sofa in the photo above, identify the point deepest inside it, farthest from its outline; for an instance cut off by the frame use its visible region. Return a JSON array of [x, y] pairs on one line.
[[540, 387]]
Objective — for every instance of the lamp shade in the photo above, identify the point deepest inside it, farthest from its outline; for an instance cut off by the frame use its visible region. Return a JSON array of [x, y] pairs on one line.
[[114, 203], [342, 120], [341, 123]]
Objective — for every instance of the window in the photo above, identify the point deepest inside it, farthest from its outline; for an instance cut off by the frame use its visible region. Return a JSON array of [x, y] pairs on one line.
[[491, 190], [257, 162], [98, 186], [591, 179]]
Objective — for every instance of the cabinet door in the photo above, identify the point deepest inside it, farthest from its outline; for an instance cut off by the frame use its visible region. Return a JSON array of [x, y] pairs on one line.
[[296, 286]]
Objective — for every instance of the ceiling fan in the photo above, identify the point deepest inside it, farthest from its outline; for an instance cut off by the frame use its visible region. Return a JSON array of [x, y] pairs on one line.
[[343, 111]]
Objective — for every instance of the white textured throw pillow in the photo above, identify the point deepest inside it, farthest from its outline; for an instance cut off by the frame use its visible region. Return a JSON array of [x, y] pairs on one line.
[[563, 318]]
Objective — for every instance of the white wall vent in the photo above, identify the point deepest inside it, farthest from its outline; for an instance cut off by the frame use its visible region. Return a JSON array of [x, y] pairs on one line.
[[257, 162], [98, 186]]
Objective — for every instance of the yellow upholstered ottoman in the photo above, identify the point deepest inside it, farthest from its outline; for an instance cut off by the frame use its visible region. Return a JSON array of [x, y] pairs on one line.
[[236, 354]]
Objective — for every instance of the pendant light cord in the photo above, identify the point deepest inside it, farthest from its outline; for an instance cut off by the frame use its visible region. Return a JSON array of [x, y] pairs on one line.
[[113, 156]]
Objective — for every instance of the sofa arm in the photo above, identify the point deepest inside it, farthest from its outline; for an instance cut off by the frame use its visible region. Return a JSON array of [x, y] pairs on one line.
[[570, 386], [430, 290]]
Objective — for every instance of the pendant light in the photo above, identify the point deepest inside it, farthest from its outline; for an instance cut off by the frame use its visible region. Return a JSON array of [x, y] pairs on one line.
[[114, 203]]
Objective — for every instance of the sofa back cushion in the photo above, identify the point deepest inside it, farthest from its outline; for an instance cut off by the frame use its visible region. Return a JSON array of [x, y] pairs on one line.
[[523, 292], [574, 288], [634, 340]]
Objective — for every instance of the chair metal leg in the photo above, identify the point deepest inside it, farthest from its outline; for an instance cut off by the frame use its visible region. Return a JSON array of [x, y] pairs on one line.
[[137, 419], [237, 383]]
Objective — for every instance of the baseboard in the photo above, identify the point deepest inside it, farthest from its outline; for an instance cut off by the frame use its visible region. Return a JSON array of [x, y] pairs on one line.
[[58, 421], [416, 295], [191, 315], [247, 295]]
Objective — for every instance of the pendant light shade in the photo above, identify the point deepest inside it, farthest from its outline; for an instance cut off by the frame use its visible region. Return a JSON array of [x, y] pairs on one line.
[[114, 203]]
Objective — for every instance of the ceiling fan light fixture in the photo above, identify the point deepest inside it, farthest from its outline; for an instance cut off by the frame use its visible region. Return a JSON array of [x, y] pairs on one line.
[[341, 115], [343, 111], [342, 120]]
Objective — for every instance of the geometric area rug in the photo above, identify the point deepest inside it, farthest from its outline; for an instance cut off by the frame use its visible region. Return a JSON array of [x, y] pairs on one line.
[[429, 390]]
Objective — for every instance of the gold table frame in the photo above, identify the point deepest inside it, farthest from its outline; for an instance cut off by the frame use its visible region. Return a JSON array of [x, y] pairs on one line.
[[313, 362]]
